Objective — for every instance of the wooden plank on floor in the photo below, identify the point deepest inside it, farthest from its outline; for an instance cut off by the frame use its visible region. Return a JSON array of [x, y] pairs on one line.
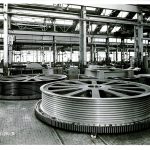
[[73, 138]]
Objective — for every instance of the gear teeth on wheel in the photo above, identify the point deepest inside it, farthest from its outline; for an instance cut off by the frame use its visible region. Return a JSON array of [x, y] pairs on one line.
[[90, 129]]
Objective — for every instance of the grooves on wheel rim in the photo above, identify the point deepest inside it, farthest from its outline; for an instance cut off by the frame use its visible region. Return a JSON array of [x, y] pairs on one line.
[[25, 87], [76, 101]]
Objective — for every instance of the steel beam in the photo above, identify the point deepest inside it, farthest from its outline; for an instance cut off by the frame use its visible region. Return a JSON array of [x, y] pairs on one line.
[[50, 14], [22, 32], [83, 55], [71, 54], [59, 34], [73, 16], [123, 7]]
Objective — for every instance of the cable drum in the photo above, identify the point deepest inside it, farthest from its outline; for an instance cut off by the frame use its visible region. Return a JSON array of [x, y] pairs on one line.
[[95, 106], [25, 87]]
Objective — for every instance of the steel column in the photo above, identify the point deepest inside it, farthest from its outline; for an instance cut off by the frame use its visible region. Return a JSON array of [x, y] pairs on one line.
[[122, 50], [36, 55], [71, 54], [50, 61], [54, 51], [95, 54], [83, 55], [140, 38], [92, 53], [6, 58], [42, 54], [138, 43], [107, 51]]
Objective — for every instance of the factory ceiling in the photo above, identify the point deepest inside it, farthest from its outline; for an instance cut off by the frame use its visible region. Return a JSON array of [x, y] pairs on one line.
[[116, 21]]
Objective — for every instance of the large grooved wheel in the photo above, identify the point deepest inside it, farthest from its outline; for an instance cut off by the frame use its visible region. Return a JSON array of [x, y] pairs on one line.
[[95, 106], [25, 87]]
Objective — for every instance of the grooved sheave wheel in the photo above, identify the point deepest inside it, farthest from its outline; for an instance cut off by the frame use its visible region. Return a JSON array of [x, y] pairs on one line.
[[95, 106], [25, 87]]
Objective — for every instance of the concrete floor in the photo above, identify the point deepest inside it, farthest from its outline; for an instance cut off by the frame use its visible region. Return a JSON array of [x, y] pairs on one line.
[[18, 125]]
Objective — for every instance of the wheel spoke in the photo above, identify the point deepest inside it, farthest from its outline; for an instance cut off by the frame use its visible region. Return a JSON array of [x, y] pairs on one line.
[[66, 84], [81, 91], [116, 93], [77, 82], [110, 82], [95, 93], [128, 91], [124, 84], [128, 87]]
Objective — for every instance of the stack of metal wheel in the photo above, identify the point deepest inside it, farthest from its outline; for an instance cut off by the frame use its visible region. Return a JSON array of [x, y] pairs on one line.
[[25, 87], [93, 106]]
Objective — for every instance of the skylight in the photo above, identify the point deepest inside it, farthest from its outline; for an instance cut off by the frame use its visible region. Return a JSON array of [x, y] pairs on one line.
[[104, 28], [122, 14], [63, 22], [115, 29], [77, 27], [145, 33], [106, 12], [90, 8], [74, 6], [92, 27], [135, 16], [1, 17]]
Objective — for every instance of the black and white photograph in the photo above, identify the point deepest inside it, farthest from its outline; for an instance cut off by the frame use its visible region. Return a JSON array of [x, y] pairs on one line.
[[74, 73]]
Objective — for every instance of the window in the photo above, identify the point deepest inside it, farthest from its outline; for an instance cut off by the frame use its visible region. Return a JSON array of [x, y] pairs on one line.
[[135, 16], [99, 40], [63, 22], [90, 8], [106, 12], [122, 14], [77, 27], [92, 27], [115, 29], [104, 28]]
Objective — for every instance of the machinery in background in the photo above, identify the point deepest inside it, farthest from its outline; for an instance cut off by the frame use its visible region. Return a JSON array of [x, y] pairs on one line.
[[58, 70], [104, 72], [146, 64], [72, 72], [29, 68]]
